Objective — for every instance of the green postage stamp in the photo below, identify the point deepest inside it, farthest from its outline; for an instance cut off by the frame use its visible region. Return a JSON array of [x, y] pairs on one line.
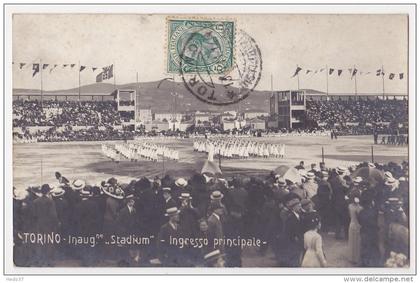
[[200, 46]]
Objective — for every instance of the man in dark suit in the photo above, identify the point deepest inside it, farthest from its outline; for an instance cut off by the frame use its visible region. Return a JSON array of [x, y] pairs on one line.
[[368, 219], [129, 225], [169, 254], [45, 221], [167, 195], [293, 233], [87, 218], [339, 204], [323, 201], [215, 230]]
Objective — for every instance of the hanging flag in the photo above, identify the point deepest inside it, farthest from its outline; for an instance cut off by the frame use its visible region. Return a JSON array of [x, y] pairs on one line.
[[44, 66], [82, 68], [94, 69], [350, 71], [65, 65], [298, 69], [72, 65], [21, 65], [308, 71], [35, 68], [339, 72], [55, 65], [354, 73], [391, 76], [401, 76], [331, 71], [107, 73]]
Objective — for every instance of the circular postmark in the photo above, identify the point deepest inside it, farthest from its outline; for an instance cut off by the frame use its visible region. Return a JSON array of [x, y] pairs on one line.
[[222, 88]]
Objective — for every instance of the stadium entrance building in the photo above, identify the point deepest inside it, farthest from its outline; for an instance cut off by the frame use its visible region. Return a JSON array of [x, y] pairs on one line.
[[126, 106], [288, 109]]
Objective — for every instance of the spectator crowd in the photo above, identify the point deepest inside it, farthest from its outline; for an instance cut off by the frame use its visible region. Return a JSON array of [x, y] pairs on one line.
[[289, 212]]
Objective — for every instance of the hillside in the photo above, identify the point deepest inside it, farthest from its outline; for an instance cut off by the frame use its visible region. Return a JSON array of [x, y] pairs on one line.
[[160, 97]]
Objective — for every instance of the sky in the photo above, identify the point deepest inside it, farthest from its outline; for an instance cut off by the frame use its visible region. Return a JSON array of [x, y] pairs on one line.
[[137, 43]]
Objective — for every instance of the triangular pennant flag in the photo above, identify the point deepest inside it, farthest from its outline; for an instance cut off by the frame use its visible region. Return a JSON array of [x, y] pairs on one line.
[[367, 73], [99, 77], [350, 71], [82, 68], [44, 66], [391, 76], [298, 69], [401, 76], [321, 70], [331, 71], [316, 71], [65, 65], [94, 69], [354, 73], [308, 71], [72, 65], [21, 65], [339, 72], [35, 68], [55, 65], [361, 73]]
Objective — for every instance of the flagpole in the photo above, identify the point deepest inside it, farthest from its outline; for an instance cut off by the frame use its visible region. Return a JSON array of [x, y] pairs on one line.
[[298, 83], [327, 72], [115, 84], [383, 82], [271, 84], [355, 80], [79, 82], [42, 92], [137, 96]]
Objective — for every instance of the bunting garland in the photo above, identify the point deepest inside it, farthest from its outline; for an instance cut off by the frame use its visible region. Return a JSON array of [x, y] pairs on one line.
[[37, 67], [352, 72]]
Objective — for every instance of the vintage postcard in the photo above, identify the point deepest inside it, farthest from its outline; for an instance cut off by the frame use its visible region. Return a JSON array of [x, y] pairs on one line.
[[212, 140]]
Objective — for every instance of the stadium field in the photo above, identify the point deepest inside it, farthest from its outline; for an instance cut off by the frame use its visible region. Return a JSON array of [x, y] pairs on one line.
[[34, 164]]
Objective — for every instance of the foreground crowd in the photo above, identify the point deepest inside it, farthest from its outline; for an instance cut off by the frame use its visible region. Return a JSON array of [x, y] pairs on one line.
[[288, 212]]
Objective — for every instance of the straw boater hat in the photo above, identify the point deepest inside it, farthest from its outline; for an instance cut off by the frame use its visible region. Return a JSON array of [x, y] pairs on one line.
[[20, 194], [310, 175], [78, 185], [116, 193], [325, 174], [181, 182], [402, 179], [388, 175], [172, 211], [85, 192], [358, 180], [216, 195], [391, 182], [185, 196], [340, 169], [371, 165], [58, 191], [166, 189], [212, 256]]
